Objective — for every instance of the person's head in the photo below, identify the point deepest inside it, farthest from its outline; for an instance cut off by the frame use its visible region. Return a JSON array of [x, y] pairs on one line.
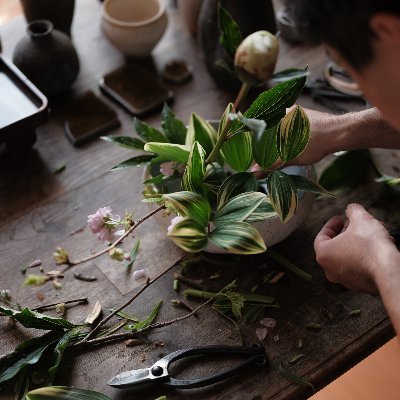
[[364, 37]]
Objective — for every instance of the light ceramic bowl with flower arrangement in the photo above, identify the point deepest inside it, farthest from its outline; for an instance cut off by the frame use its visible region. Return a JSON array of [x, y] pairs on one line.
[[200, 174]]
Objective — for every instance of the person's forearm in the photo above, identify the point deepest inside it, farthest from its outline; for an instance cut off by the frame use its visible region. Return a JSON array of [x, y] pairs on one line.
[[363, 130]]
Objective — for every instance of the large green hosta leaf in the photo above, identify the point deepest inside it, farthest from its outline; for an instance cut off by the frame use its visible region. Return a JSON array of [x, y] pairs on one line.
[[237, 151], [283, 194], [236, 184], [189, 235], [238, 238], [201, 131], [238, 208], [294, 133], [173, 127], [169, 151], [192, 179], [189, 204]]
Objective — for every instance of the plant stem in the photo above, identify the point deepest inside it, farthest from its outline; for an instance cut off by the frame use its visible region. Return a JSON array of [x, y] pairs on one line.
[[44, 307], [119, 240], [148, 283], [289, 266], [221, 139]]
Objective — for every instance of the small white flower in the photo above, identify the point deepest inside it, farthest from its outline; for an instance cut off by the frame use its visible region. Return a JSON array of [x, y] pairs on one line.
[[174, 221], [139, 274]]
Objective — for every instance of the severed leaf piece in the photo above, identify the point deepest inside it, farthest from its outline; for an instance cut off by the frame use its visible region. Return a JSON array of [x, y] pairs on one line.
[[94, 314], [132, 256], [64, 393], [283, 195], [138, 326], [294, 378]]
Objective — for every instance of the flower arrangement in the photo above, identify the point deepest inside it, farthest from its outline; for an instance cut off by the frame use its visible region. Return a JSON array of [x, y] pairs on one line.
[[214, 196]]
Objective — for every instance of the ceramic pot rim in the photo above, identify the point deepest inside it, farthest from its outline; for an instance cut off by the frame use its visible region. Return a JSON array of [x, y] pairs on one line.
[[47, 25], [125, 24]]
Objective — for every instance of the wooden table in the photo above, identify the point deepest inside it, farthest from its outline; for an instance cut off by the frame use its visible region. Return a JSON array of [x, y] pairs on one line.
[[40, 210]]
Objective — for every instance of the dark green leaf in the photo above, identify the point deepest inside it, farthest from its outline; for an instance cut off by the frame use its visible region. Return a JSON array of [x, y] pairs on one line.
[[138, 326], [189, 235], [59, 351], [294, 133], [236, 184], [230, 33], [214, 177], [237, 151], [346, 171], [192, 179], [238, 238], [22, 385], [295, 358], [137, 161], [174, 128], [354, 313], [227, 65], [201, 131], [283, 196], [305, 185], [289, 74], [189, 204], [160, 179], [125, 141], [168, 152], [33, 319], [64, 393], [265, 147], [294, 378], [147, 132], [313, 326]]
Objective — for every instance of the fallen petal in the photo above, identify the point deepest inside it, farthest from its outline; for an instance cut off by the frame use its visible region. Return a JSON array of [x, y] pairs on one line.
[[261, 333], [138, 274], [268, 322]]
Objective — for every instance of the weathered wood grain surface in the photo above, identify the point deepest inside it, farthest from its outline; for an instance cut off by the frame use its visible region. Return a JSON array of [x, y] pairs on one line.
[[40, 210]]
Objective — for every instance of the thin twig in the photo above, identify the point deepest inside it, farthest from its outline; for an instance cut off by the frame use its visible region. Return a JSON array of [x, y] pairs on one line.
[[148, 283], [83, 301], [188, 281], [119, 240]]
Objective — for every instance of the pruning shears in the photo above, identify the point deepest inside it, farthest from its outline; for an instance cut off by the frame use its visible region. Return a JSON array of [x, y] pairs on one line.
[[158, 372]]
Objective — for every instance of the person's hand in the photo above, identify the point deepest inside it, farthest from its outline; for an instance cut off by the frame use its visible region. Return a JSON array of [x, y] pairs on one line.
[[354, 251], [319, 145]]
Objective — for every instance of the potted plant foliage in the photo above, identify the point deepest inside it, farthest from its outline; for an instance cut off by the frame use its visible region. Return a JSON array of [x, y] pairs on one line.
[[202, 172]]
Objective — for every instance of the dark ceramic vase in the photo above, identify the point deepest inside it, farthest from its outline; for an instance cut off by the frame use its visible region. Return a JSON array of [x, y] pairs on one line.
[[47, 57], [251, 15], [59, 12]]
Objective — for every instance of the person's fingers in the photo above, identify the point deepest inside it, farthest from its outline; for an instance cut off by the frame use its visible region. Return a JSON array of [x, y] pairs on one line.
[[356, 212], [331, 229]]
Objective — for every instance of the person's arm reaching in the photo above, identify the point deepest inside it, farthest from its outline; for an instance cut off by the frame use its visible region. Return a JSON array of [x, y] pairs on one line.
[[360, 254]]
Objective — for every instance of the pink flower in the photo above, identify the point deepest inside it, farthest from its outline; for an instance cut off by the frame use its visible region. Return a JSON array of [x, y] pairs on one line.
[[104, 224], [167, 168], [174, 221], [139, 274]]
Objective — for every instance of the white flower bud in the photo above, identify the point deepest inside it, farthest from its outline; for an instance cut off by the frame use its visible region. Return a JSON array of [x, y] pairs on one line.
[[256, 57]]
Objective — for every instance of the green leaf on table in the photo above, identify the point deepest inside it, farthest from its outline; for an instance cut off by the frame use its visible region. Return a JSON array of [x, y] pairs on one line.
[[58, 353], [306, 185], [33, 319], [238, 238], [189, 235], [174, 128], [139, 326], [346, 171], [201, 131], [132, 256], [294, 134], [389, 180], [214, 177], [265, 147], [241, 182], [64, 393], [237, 151], [189, 204], [137, 161], [283, 194], [125, 141], [168, 151], [192, 179], [147, 132], [290, 73], [230, 37], [239, 208], [294, 378]]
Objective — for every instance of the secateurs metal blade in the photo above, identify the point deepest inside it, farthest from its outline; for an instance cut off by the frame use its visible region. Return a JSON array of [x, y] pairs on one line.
[[158, 373]]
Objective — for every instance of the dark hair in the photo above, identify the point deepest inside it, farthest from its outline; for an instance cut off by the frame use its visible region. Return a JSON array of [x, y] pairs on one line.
[[342, 24]]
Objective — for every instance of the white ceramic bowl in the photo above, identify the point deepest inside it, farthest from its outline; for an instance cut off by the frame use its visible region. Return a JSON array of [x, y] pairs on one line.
[[134, 26], [272, 230]]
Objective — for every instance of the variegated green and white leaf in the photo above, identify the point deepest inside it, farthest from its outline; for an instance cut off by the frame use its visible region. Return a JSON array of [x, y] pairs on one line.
[[236, 184], [201, 131], [305, 185], [189, 204], [237, 151], [263, 212], [283, 196], [147, 132], [224, 117], [189, 235], [169, 151], [294, 133], [192, 179], [238, 238], [214, 177], [239, 208], [265, 149], [174, 128]]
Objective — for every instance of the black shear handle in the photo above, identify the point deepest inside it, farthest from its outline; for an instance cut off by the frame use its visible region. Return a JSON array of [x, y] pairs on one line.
[[256, 355]]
